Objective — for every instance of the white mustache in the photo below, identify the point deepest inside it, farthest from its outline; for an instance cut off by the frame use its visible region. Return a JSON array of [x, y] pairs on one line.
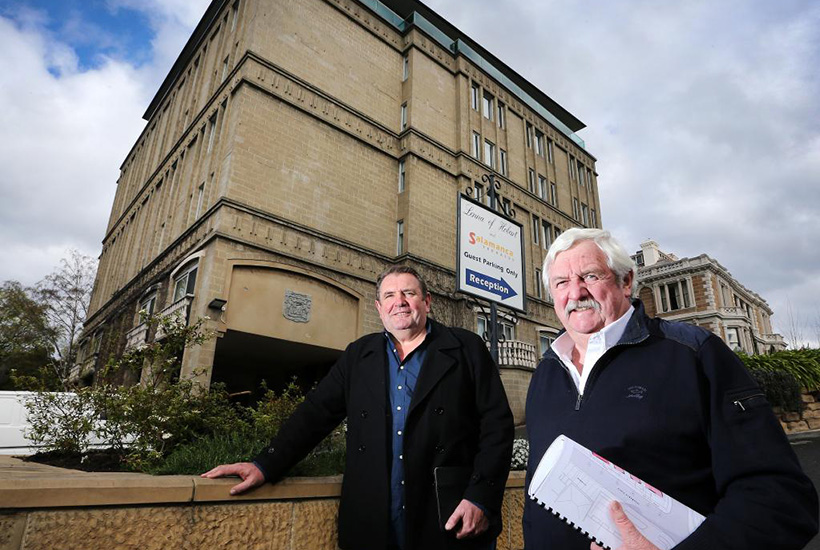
[[572, 305]]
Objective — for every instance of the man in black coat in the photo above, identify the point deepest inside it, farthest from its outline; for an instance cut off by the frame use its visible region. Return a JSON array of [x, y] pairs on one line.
[[417, 397]]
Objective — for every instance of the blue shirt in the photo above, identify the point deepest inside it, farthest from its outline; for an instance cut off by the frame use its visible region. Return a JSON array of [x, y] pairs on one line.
[[402, 379]]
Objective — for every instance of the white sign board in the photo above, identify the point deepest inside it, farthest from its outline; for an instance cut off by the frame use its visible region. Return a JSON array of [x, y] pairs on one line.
[[490, 255]]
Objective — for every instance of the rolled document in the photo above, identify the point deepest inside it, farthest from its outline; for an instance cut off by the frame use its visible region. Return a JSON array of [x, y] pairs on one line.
[[577, 485]]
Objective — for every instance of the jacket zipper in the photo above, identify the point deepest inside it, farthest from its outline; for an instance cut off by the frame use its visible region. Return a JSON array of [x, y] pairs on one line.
[[739, 402], [594, 375]]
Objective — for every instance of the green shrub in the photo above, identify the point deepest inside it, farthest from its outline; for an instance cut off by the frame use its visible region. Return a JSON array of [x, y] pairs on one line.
[[803, 365], [781, 389]]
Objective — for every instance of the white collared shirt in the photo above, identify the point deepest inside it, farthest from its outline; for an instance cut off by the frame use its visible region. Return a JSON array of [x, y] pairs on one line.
[[598, 344]]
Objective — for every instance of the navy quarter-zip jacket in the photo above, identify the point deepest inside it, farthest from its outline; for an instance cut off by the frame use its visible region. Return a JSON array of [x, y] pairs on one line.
[[673, 405]]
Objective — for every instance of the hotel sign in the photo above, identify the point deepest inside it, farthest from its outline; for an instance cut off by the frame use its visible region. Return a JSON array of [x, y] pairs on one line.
[[490, 260]]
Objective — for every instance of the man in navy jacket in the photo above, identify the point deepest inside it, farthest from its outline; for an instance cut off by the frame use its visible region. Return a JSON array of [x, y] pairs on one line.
[[668, 402]]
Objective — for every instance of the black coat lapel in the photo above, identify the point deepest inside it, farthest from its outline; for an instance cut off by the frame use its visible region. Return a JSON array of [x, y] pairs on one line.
[[441, 357], [371, 371]]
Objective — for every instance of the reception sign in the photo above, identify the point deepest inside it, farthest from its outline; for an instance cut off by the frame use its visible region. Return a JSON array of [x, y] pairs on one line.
[[490, 255]]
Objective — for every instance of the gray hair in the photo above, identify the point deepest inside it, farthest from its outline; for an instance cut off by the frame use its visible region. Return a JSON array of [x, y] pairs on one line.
[[398, 270], [616, 256]]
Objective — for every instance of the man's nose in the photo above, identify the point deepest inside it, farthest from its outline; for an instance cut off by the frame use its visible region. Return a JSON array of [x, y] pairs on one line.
[[577, 289]]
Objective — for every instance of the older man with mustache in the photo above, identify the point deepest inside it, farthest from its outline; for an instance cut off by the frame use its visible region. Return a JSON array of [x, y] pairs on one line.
[[668, 402]]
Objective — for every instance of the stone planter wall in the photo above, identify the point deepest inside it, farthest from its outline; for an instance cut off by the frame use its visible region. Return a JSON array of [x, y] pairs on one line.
[[52, 509], [804, 421]]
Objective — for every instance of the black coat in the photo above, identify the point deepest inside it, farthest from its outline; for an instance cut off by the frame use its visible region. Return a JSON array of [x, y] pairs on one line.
[[459, 416]]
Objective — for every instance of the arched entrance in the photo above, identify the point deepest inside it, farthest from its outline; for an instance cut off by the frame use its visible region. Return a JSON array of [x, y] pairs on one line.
[[282, 322]]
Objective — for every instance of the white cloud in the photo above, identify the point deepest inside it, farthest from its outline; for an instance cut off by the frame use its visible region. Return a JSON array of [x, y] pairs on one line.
[[65, 130], [703, 116]]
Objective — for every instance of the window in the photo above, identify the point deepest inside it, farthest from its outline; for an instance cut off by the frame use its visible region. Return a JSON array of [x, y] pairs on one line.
[[199, 199], [405, 64], [211, 132], [571, 166], [479, 193], [531, 180], [404, 115], [501, 116], [576, 212], [536, 228], [529, 135], [585, 214], [547, 234], [594, 217], [476, 145], [225, 66], [503, 158], [506, 206], [489, 153], [553, 194], [550, 152], [185, 283], [506, 330], [542, 187], [401, 176], [488, 106], [581, 174], [674, 295], [538, 282], [400, 237], [235, 15], [148, 304], [545, 340], [732, 338], [539, 142], [474, 96]]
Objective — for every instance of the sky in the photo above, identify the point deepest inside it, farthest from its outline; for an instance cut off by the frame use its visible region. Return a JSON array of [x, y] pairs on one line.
[[704, 118]]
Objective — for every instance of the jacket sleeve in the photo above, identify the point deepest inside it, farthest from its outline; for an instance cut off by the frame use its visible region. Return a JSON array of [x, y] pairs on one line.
[[764, 498], [321, 411], [491, 465]]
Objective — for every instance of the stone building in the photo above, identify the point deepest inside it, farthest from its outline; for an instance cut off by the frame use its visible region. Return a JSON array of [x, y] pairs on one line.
[[702, 292], [299, 147]]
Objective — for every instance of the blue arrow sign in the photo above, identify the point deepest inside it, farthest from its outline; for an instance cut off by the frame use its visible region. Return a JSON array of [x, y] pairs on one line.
[[490, 284]]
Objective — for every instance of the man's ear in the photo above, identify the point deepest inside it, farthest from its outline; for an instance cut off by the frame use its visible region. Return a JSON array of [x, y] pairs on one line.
[[628, 283]]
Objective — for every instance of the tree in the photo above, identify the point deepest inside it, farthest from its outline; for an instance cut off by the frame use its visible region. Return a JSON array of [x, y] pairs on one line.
[[25, 334], [65, 294]]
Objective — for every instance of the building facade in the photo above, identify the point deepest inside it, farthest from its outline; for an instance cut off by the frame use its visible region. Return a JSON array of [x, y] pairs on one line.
[[299, 147], [702, 292]]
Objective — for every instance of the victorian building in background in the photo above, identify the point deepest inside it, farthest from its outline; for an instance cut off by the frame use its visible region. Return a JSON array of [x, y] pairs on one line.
[[702, 292], [299, 147]]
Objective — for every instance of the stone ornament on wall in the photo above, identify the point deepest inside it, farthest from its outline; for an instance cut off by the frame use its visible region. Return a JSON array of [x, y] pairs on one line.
[[296, 307]]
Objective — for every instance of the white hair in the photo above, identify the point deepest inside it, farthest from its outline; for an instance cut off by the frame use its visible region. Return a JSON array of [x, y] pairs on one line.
[[616, 257]]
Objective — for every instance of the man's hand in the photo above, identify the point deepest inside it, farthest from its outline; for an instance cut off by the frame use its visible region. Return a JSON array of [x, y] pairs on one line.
[[250, 474], [473, 520], [631, 538]]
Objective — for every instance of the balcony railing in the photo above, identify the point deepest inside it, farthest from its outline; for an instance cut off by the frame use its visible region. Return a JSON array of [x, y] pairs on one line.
[[516, 354], [136, 337], [178, 311]]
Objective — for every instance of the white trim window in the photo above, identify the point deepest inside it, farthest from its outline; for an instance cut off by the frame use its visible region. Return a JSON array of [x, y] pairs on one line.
[[474, 96], [488, 105], [402, 176], [476, 145], [400, 237], [675, 295], [185, 282], [489, 153]]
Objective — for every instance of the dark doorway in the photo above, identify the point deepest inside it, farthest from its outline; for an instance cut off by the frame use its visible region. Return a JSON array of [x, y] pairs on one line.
[[243, 361]]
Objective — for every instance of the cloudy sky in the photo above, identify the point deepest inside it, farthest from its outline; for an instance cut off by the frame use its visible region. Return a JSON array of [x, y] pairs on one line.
[[704, 116]]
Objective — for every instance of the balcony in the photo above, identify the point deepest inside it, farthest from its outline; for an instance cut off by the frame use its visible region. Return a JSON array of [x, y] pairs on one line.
[[733, 312], [178, 312], [516, 354], [136, 337]]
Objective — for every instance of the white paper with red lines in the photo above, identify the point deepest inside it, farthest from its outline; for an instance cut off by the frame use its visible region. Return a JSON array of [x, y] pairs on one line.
[[577, 485]]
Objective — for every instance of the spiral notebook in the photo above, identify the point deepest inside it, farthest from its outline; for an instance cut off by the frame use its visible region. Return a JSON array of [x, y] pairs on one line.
[[577, 485]]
